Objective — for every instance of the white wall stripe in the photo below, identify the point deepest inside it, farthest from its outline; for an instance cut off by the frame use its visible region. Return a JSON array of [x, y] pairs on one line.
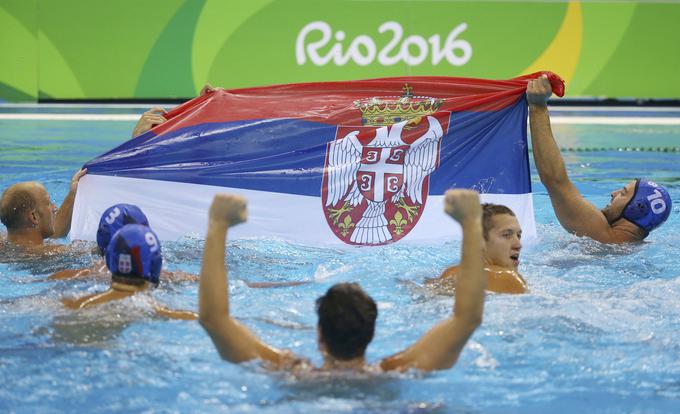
[[607, 120], [70, 117]]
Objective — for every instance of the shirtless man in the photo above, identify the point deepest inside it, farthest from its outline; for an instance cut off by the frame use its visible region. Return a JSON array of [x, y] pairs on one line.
[[502, 246], [635, 210], [346, 313], [113, 219], [134, 259], [30, 216]]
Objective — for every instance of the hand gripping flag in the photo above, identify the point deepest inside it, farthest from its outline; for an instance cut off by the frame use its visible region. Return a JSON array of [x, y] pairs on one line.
[[358, 163]]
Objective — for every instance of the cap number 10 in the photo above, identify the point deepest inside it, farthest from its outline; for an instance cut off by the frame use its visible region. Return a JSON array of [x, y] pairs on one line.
[[657, 203]]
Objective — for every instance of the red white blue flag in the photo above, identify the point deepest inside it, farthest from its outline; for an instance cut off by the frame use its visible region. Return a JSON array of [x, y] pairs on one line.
[[358, 163]]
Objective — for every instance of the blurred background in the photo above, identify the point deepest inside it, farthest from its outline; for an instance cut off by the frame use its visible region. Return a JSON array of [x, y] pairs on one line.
[[155, 50]]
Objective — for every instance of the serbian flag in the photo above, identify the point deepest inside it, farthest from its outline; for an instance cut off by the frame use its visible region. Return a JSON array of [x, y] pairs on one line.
[[361, 163]]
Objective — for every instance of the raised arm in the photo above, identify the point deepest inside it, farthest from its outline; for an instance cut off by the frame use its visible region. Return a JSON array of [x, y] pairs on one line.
[[440, 347], [574, 212], [233, 341], [62, 221]]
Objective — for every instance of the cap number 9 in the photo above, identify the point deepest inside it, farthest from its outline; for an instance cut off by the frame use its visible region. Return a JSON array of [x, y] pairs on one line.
[[151, 241]]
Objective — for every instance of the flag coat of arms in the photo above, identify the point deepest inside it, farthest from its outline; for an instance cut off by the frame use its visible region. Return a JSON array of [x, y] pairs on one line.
[[361, 163]]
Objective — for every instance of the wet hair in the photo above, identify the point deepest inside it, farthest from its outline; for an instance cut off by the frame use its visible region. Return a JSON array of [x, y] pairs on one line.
[[346, 320], [488, 212], [16, 201]]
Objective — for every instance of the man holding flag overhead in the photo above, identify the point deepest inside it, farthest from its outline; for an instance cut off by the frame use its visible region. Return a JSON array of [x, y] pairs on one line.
[[635, 210]]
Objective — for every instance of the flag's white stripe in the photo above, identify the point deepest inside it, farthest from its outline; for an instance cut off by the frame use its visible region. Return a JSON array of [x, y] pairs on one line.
[[555, 120], [176, 210]]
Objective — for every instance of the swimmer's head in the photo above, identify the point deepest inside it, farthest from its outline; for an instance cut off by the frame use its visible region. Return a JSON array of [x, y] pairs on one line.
[[649, 206], [114, 218], [346, 321], [28, 205], [502, 234], [135, 253]]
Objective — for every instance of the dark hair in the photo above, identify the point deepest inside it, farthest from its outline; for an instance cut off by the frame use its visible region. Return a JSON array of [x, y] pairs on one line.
[[488, 212], [346, 320], [16, 201]]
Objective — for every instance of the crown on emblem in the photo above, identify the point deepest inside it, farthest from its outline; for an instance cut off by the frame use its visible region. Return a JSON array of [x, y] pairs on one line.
[[389, 110]]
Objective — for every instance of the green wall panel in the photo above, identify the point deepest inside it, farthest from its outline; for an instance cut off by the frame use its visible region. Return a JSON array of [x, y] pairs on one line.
[[76, 49]]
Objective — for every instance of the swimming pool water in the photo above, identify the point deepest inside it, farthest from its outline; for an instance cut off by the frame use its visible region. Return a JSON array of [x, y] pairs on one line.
[[597, 333]]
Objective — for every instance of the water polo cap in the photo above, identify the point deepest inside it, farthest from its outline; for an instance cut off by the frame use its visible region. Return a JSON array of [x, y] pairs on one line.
[[114, 218], [650, 205], [135, 251]]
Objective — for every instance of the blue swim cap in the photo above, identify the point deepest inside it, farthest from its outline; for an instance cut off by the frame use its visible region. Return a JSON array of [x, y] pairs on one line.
[[114, 218], [135, 251], [650, 206]]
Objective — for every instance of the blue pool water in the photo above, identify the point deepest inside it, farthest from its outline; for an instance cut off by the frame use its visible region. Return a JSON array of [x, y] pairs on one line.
[[597, 333]]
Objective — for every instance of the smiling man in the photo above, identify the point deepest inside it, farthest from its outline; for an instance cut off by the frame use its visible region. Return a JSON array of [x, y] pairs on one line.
[[635, 210]]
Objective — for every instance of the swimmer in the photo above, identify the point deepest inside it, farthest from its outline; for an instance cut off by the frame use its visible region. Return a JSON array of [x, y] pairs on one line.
[[502, 246], [634, 210], [30, 216], [134, 259], [112, 220], [346, 313], [156, 116]]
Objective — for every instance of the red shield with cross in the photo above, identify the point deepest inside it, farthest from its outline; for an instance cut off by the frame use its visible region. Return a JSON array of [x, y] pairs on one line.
[[381, 174], [376, 180]]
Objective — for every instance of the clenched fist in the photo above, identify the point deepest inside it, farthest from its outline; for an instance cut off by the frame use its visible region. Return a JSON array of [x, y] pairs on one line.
[[228, 208]]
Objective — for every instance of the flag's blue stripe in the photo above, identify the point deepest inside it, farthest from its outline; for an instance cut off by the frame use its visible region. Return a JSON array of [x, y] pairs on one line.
[[483, 150], [486, 151]]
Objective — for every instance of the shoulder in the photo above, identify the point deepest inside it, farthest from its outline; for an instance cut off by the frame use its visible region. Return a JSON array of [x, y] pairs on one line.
[[445, 282], [289, 361], [504, 280], [624, 231], [449, 272]]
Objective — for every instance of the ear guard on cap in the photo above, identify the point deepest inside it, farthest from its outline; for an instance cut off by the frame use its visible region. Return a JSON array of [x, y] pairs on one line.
[[650, 205], [114, 218], [135, 251]]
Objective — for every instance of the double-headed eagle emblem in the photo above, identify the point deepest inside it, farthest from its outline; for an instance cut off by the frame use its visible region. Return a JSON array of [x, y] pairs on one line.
[[376, 179]]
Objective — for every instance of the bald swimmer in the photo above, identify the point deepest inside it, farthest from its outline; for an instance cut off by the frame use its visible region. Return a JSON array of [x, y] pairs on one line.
[[30, 216]]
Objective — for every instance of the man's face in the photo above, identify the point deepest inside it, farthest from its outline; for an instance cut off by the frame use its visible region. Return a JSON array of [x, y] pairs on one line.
[[618, 202], [503, 244], [45, 211]]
